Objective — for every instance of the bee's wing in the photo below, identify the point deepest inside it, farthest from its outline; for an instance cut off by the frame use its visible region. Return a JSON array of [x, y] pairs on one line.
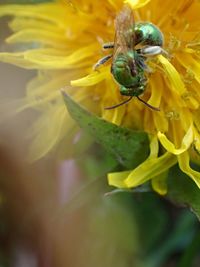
[[124, 33]]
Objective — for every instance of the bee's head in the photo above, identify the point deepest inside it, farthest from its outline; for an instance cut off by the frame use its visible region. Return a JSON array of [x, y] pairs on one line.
[[133, 91]]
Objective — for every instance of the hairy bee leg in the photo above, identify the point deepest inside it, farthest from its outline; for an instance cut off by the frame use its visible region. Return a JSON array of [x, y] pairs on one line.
[[102, 61], [150, 51], [108, 45], [144, 66], [148, 69]]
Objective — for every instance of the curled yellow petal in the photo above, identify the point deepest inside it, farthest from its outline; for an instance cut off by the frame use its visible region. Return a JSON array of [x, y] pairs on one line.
[[184, 164], [149, 169], [115, 116], [154, 147], [117, 179], [152, 167], [159, 183], [197, 141], [169, 146]]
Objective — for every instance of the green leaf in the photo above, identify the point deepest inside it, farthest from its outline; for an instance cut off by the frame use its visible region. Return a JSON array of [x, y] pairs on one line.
[[177, 239], [129, 147], [183, 191], [116, 232], [97, 162], [152, 220]]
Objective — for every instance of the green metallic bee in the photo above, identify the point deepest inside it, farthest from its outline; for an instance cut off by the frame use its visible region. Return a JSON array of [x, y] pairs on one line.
[[133, 44]]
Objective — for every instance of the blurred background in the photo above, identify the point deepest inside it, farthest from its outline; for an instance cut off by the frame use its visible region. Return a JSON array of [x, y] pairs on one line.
[[56, 212]]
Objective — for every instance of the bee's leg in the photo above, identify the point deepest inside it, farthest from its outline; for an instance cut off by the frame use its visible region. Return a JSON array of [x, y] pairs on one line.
[[150, 51], [102, 61], [141, 63], [108, 45]]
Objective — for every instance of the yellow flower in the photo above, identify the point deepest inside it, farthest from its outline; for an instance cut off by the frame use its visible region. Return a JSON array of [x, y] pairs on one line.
[[63, 42]]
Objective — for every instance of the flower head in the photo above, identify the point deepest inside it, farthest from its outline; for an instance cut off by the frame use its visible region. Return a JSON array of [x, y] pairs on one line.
[[64, 52]]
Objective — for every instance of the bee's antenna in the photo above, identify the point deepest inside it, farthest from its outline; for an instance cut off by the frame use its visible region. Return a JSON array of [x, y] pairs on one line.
[[148, 105], [120, 104]]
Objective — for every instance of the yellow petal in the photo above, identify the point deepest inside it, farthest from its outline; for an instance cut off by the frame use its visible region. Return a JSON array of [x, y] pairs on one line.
[[22, 23], [54, 59], [117, 179], [197, 141], [52, 12], [38, 36], [159, 183], [154, 147], [184, 164], [46, 139], [113, 4], [169, 146], [137, 3], [160, 121], [92, 79], [49, 58], [149, 169], [173, 75], [189, 60], [17, 59], [156, 90], [115, 116]]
